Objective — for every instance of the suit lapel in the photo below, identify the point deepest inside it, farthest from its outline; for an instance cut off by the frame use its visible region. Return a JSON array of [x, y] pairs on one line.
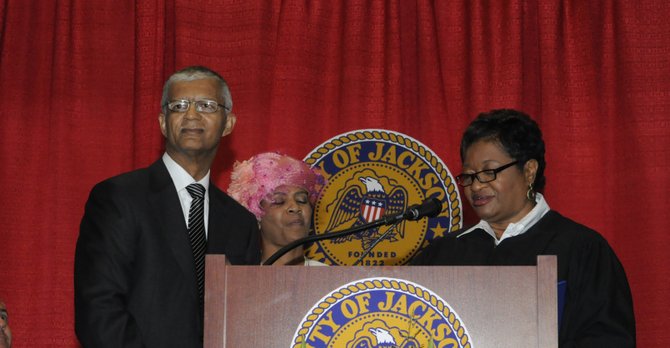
[[166, 208], [217, 222], [232, 230]]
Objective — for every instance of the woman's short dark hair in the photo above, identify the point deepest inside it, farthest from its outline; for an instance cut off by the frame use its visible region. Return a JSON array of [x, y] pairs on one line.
[[515, 131]]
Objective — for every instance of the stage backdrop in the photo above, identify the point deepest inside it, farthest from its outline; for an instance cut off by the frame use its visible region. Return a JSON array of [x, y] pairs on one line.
[[81, 82]]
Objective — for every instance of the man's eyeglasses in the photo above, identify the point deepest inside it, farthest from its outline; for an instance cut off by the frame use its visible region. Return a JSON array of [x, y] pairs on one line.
[[482, 176], [203, 106]]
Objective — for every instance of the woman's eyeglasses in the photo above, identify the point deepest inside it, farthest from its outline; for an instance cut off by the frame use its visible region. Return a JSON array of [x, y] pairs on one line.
[[482, 176]]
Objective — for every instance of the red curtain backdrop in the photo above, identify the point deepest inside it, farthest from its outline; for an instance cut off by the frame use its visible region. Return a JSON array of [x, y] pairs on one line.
[[80, 84]]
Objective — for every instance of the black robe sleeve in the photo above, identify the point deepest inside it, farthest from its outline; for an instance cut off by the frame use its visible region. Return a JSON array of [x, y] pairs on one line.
[[599, 308]]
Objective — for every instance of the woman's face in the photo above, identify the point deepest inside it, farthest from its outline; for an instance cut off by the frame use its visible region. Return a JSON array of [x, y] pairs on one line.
[[503, 200], [288, 215]]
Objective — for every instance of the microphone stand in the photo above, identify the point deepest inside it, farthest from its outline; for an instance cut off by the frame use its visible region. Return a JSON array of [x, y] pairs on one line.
[[374, 244], [386, 220]]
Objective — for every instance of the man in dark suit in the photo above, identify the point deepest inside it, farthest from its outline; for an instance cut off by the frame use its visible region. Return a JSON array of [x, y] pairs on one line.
[[136, 279]]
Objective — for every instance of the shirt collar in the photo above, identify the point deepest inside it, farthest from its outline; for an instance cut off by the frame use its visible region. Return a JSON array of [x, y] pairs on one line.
[[515, 228], [180, 177]]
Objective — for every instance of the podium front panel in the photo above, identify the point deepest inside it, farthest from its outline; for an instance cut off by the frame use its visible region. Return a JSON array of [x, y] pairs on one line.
[[263, 306]]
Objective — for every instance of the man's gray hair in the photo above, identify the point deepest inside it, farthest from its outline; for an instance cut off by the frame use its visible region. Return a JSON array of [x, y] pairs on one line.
[[193, 73]]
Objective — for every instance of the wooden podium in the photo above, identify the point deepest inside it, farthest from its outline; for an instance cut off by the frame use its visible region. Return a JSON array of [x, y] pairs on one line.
[[262, 306]]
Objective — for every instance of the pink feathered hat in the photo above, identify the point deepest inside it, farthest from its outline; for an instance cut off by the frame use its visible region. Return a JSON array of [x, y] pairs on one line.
[[254, 179]]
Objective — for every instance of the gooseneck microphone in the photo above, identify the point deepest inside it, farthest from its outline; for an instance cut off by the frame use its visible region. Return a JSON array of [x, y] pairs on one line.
[[430, 208]]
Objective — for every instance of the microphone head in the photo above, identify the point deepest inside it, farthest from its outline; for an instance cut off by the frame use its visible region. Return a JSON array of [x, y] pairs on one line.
[[430, 208]]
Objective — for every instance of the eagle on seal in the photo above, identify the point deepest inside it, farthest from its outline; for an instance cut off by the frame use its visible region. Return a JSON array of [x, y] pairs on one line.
[[355, 208]]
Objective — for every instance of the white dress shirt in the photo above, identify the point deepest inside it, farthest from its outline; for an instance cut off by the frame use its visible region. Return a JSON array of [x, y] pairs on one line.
[[181, 178], [515, 229]]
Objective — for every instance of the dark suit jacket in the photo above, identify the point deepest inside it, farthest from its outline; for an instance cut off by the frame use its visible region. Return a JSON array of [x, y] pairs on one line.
[[134, 276]]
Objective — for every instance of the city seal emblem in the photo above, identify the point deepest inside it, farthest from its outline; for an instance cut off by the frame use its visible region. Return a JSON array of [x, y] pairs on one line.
[[372, 173], [381, 313]]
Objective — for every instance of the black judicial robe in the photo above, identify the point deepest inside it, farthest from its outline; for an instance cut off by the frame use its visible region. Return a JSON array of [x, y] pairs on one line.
[[598, 310]]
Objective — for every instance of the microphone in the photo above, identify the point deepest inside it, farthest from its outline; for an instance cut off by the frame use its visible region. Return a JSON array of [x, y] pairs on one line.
[[430, 207]]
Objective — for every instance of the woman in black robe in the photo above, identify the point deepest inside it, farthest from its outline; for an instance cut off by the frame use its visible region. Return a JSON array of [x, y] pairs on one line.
[[502, 152]]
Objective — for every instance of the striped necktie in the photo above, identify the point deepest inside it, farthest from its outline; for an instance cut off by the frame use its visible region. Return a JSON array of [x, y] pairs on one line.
[[196, 233]]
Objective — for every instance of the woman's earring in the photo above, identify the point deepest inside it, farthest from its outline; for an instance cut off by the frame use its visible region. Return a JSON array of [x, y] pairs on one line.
[[530, 194]]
